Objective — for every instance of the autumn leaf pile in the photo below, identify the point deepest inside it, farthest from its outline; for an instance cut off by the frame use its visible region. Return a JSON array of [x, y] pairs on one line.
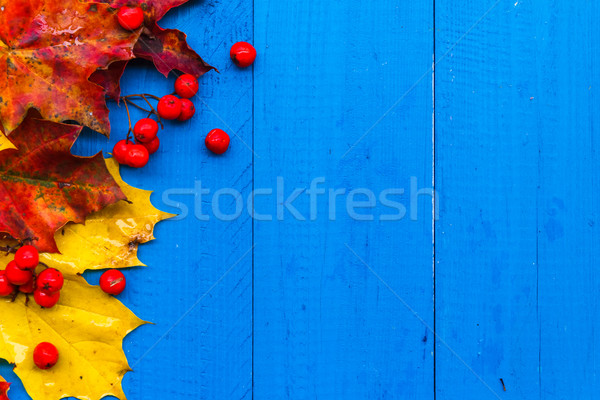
[[61, 60]]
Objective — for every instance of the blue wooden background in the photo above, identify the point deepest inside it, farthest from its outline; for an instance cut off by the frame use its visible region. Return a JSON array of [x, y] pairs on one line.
[[347, 309]]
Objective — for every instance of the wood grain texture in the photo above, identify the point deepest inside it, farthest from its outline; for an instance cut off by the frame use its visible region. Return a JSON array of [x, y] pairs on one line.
[[486, 174], [515, 283], [567, 106], [325, 326]]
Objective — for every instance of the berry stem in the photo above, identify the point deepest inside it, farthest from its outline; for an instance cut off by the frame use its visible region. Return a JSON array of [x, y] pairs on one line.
[[141, 95], [153, 110], [138, 106], [129, 120], [144, 96]]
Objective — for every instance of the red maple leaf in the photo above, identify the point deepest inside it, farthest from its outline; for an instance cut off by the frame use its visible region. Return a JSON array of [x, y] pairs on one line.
[[48, 50], [4, 386], [110, 79], [166, 48], [43, 186]]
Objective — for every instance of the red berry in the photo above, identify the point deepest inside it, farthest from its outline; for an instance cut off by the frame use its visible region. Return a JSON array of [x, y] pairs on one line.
[[16, 275], [187, 110], [130, 18], [138, 156], [6, 288], [120, 151], [46, 299], [50, 280], [29, 287], [217, 141], [45, 355], [152, 146], [27, 257], [243, 54], [186, 86], [145, 130], [169, 107], [112, 282]]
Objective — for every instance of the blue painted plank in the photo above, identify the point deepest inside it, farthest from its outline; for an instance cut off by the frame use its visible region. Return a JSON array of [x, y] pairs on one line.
[[208, 354], [516, 293], [486, 174], [325, 326], [567, 105]]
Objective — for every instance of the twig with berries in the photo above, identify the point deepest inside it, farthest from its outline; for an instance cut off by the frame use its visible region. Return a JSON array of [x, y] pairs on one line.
[[145, 131], [170, 107]]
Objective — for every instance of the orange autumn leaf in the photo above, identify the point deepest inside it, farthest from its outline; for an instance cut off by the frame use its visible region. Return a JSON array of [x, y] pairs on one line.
[[48, 50], [43, 186]]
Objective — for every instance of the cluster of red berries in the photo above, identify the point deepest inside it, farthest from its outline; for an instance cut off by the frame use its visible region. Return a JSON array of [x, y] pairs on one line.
[[170, 106], [20, 276], [145, 131]]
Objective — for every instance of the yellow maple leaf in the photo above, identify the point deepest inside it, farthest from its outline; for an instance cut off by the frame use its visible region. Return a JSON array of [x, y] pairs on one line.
[[87, 325], [109, 238], [5, 144]]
